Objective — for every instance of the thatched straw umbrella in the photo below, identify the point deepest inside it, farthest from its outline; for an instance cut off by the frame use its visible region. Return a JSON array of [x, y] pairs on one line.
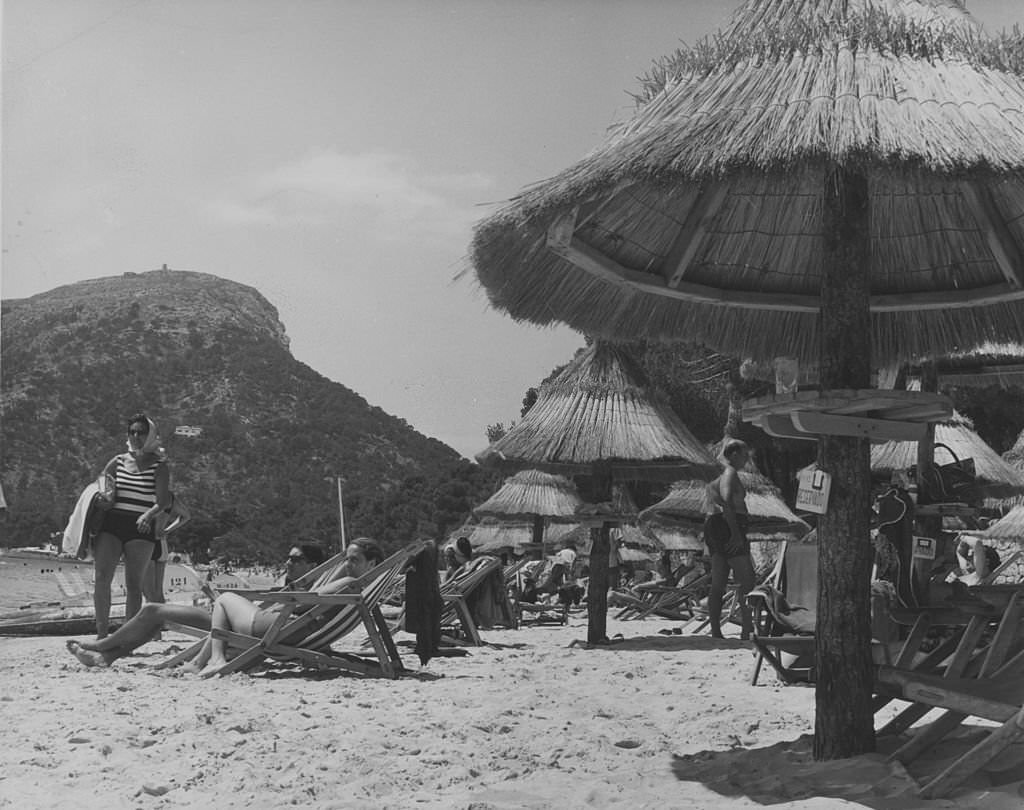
[[997, 479], [536, 497], [597, 419], [598, 411], [492, 535], [839, 181], [686, 505]]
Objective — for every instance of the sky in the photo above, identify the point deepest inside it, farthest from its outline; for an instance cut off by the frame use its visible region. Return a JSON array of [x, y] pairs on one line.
[[333, 154]]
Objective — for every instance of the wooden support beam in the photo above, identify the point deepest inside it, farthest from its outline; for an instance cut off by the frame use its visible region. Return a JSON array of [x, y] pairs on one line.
[[561, 239], [691, 237], [781, 426], [827, 424], [991, 222]]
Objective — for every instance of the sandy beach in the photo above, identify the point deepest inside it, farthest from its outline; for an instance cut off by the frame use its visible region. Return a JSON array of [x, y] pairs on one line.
[[529, 721]]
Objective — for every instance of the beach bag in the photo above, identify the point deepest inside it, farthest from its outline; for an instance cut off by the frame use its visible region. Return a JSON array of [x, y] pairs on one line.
[[954, 482]]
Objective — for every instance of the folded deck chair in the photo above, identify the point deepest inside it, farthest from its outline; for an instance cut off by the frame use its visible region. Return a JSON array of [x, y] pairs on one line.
[[309, 623], [460, 590], [676, 602], [989, 684], [784, 613]]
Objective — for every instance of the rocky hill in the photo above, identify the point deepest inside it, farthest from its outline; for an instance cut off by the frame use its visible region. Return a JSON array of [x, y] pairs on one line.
[[192, 349]]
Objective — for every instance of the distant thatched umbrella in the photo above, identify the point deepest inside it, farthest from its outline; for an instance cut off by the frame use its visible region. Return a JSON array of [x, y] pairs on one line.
[[637, 538], [997, 479], [599, 411], [533, 493], [490, 535], [836, 181], [598, 418], [770, 518]]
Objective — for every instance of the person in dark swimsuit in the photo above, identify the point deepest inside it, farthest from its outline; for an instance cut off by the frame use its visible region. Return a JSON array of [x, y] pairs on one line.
[[726, 538]]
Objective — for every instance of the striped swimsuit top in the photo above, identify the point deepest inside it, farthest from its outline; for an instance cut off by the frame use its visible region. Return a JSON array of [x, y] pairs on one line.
[[136, 491]]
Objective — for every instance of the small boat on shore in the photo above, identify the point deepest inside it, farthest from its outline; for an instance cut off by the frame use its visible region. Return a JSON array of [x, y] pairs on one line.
[[43, 592]]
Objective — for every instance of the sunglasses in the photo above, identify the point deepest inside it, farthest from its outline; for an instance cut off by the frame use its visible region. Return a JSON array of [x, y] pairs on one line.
[[296, 560], [138, 432]]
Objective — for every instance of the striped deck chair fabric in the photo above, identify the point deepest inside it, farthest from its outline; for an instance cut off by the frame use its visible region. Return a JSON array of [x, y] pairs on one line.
[[308, 623]]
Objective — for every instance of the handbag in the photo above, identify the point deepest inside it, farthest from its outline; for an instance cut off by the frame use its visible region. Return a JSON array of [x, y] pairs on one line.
[[954, 482]]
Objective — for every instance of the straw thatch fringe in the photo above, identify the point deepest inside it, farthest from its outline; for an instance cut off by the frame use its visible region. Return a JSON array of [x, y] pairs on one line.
[[491, 536], [997, 479], [597, 411], [765, 237], [533, 493], [730, 149], [926, 35], [1008, 527], [770, 518]]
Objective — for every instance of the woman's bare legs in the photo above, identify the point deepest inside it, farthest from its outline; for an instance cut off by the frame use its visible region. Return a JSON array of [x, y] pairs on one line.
[[106, 555], [136, 632], [230, 612], [137, 556]]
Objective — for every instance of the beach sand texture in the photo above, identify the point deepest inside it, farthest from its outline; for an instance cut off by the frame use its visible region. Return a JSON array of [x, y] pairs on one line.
[[530, 722]]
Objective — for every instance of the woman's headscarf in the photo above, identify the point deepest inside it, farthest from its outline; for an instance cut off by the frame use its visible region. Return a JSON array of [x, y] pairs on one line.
[[150, 447]]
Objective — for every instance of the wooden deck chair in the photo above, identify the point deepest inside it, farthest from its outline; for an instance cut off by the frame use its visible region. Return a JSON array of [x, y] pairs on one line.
[[669, 602], [990, 686], [455, 593], [538, 613], [309, 623], [784, 612]]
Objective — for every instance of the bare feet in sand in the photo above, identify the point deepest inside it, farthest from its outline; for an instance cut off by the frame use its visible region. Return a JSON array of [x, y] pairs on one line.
[[212, 668], [91, 658]]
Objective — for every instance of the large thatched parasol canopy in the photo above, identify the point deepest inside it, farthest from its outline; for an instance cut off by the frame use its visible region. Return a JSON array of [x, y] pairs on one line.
[[702, 216], [532, 493], [997, 479], [599, 411], [685, 506]]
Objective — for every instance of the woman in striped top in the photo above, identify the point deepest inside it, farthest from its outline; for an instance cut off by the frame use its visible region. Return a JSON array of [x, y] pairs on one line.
[[142, 490]]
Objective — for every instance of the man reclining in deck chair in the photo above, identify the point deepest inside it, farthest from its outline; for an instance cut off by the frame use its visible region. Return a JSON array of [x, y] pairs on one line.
[[230, 612]]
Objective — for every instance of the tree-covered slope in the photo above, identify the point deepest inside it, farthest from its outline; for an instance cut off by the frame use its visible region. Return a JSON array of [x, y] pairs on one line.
[[194, 349]]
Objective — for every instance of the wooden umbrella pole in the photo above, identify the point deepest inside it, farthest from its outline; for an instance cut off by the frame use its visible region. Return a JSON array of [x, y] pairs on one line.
[[844, 723], [597, 585]]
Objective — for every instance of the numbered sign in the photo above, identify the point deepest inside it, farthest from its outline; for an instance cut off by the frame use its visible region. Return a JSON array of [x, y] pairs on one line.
[[812, 491], [924, 548]]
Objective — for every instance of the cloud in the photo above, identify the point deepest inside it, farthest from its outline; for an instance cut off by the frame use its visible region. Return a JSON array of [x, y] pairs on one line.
[[385, 191]]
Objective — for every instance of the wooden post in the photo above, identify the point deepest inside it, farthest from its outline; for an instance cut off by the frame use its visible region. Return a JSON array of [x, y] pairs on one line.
[[600, 544], [844, 722], [927, 526]]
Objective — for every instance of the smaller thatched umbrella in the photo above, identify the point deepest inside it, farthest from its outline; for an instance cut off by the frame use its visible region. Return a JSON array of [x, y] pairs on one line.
[[491, 536], [532, 493], [686, 505], [997, 479]]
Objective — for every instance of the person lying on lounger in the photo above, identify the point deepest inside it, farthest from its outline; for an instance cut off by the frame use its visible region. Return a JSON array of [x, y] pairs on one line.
[[231, 611]]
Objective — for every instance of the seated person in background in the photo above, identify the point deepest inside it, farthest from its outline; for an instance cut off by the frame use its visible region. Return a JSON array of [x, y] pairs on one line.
[[456, 555], [973, 561], [301, 559], [149, 621]]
